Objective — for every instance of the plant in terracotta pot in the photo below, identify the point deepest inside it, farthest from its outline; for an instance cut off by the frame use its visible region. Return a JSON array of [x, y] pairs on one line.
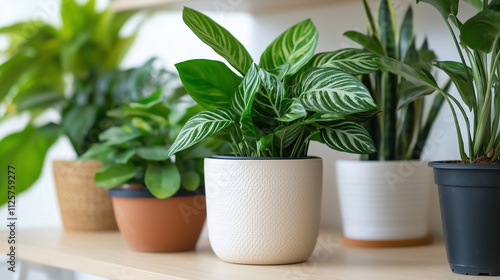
[[469, 188], [263, 203], [71, 70], [158, 200], [385, 196]]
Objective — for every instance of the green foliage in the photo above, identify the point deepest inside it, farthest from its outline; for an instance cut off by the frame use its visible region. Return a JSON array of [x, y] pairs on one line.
[[401, 131], [72, 69], [136, 150], [276, 108], [475, 79]]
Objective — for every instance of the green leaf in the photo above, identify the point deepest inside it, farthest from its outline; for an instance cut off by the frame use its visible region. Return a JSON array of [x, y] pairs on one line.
[[156, 153], [112, 176], [387, 27], [416, 77], [445, 7], [219, 39], [163, 181], [287, 135], [244, 98], [25, 151], [406, 37], [295, 46], [323, 117], [200, 127], [77, 123], [291, 110], [457, 73], [362, 117], [328, 90], [348, 137], [11, 70], [190, 180], [268, 100], [409, 92], [210, 83], [373, 28], [281, 71], [125, 156], [478, 4], [370, 43], [118, 135], [96, 152], [494, 5], [482, 31], [352, 61], [72, 17]]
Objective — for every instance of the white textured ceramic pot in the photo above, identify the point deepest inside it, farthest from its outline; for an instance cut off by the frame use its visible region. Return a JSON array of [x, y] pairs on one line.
[[263, 211], [384, 203]]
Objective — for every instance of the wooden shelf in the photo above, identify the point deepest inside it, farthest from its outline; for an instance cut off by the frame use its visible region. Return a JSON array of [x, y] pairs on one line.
[[106, 254], [219, 5]]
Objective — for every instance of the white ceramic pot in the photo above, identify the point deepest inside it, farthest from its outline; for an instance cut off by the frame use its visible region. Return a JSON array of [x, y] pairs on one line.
[[384, 200], [263, 211]]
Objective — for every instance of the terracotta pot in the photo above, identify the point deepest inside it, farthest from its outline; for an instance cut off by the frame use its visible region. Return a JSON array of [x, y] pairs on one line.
[[83, 205], [261, 210], [149, 224]]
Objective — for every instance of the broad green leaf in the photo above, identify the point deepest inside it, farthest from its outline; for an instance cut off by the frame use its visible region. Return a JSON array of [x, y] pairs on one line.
[[416, 77], [478, 4], [370, 43], [287, 135], [352, 61], [481, 31], [323, 117], [73, 20], [96, 152], [445, 7], [219, 39], [268, 100], [244, 97], [457, 73], [190, 180], [163, 181], [25, 151], [124, 156], [406, 37], [291, 110], [117, 135], [156, 153], [112, 176], [295, 46], [409, 92], [387, 27], [328, 90], [494, 5], [362, 117], [78, 121], [348, 137], [200, 127], [281, 71], [11, 70], [210, 83]]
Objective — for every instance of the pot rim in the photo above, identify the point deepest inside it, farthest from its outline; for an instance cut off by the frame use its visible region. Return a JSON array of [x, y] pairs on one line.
[[145, 193], [462, 166], [231, 157]]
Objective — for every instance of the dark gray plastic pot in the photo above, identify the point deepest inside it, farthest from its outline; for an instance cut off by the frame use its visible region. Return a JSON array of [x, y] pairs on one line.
[[469, 195]]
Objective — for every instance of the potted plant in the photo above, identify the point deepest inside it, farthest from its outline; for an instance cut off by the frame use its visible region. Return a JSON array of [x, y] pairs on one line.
[[263, 203], [384, 198], [158, 202], [469, 188], [71, 70]]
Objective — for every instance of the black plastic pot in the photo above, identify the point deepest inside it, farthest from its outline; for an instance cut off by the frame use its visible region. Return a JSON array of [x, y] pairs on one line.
[[469, 195]]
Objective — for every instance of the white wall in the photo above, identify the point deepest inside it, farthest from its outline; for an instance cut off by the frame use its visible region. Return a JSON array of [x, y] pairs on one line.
[[165, 36]]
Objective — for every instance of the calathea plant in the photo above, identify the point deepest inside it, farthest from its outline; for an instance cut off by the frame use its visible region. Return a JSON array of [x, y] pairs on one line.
[[275, 108], [475, 77], [401, 131], [136, 150]]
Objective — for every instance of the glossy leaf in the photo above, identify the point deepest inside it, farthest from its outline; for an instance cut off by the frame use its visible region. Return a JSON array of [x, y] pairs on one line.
[[78, 121], [210, 83], [295, 46], [243, 99], [482, 30], [328, 90], [124, 156], [163, 180], [200, 127], [154, 153], [352, 61], [190, 180], [457, 73], [219, 39], [112, 176], [117, 135], [369, 43], [97, 151], [445, 7], [348, 137], [291, 110], [268, 100], [478, 4]]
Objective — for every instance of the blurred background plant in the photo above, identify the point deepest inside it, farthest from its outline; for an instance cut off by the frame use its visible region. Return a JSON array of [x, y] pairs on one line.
[[71, 69], [401, 130]]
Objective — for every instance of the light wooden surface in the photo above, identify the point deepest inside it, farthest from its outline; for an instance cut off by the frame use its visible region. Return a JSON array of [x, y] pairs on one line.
[[219, 5], [106, 254]]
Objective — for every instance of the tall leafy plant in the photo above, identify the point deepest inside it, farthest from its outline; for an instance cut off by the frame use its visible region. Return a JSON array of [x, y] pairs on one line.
[[475, 77], [68, 69], [275, 108], [401, 131]]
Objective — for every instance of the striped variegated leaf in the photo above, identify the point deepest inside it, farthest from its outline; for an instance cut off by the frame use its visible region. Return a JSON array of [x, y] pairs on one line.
[[322, 117], [267, 103], [219, 39], [281, 71], [291, 110], [352, 61], [288, 134], [200, 127], [295, 46], [348, 137], [328, 90], [243, 100]]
